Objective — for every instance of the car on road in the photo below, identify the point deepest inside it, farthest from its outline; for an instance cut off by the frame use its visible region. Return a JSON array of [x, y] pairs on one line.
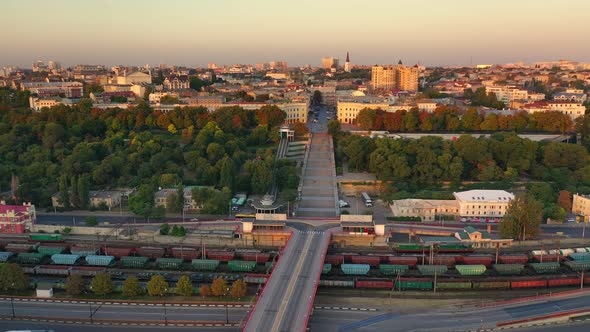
[[343, 204]]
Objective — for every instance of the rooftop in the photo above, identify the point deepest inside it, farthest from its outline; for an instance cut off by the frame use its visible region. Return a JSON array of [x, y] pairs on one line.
[[484, 196]]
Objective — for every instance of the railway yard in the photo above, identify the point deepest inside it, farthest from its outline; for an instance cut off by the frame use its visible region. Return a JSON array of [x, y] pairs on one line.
[[451, 267]]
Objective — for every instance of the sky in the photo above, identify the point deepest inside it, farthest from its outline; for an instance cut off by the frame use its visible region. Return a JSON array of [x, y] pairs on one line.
[[196, 32]]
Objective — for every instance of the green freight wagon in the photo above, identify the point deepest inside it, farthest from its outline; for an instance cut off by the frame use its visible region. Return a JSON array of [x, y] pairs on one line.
[[133, 262], [491, 284], [327, 268], [508, 269], [413, 284], [430, 270], [30, 257], [5, 255], [453, 285], [99, 260], [549, 267], [355, 269], [578, 266], [205, 264], [46, 237], [64, 259], [241, 266], [393, 269], [254, 280], [337, 283], [471, 270], [580, 256], [50, 250], [169, 263]]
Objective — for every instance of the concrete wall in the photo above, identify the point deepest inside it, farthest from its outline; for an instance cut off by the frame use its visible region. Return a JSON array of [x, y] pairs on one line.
[[77, 230], [271, 216], [356, 217]]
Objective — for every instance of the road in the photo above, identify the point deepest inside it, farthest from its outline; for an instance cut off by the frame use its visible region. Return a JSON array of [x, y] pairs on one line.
[[437, 319], [122, 312], [288, 295], [14, 325]]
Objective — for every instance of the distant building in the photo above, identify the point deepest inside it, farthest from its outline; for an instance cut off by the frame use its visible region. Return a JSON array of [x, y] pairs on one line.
[[479, 204], [347, 63], [155, 97], [177, 82], [398, 77], [54, 89], [110, 199], [296, 111], [581, 206], [573, 109], [134, 78], [210, 102], [349, 108], [36, 104], [16, 218], [426, 105], [568, 96], [329, 62], [328, 94], [507, 94], [162, 196]]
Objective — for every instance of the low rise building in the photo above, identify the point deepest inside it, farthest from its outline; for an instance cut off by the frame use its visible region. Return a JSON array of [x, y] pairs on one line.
[[53, 89], [425, 209], [426, 105], [36, 104], [573, 109], [210, 102], [581, 206], [349, 108], [482, 204], [177, 82], [16, 218], [161, 197], [107, 198], [328, 94]]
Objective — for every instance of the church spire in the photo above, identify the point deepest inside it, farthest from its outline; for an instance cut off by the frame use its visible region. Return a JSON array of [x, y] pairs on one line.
[[347, 57]]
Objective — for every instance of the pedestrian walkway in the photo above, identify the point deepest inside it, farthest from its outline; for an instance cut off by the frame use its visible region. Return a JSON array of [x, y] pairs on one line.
[[318, 195]]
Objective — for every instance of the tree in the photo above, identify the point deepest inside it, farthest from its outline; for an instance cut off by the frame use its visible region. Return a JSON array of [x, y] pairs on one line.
[[74, 284], [12, 277], [131, 287], [316, 98], [184, 286], [205, 291], [300, 129], [565, 200], [102, 284], [164, 229], [238, 289], [157, 286], [334, 127], [522, 218], [90, 221], [169, 99], [219, 287], [142, 203]]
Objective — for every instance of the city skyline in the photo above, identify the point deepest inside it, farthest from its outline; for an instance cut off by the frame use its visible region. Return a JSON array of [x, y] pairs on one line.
[[226, 32]]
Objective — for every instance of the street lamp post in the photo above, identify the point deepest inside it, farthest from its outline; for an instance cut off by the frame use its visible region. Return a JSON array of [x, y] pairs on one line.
[[165, 316], [14, 314]]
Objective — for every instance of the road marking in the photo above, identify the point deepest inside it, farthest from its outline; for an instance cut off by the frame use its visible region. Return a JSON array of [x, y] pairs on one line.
[[283, 307]]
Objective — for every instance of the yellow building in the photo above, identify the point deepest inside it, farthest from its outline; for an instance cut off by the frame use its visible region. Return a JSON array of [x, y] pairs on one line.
[[581, 206], [383, 77], [349, 108], [395, 77]]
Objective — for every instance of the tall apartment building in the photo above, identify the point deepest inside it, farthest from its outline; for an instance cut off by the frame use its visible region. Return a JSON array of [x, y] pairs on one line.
[[328, 62], [395, 77]]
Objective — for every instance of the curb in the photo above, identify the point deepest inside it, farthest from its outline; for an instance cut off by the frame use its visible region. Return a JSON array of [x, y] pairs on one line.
[[345, 308], [98, 321], [111, 302]]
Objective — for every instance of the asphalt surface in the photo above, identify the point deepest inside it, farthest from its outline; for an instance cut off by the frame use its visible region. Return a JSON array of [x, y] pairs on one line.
[[122, 312], [15, 325], [437, 319], [288, 295]]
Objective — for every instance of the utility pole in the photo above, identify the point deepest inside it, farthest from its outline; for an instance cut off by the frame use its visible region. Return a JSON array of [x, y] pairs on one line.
[[14, 314]]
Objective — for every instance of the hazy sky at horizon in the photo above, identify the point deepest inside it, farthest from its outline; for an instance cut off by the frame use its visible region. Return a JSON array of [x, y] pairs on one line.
[[196, 32]]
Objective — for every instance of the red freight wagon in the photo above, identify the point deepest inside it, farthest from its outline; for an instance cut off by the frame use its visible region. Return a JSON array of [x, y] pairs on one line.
[[513, 259], [378, 284], [403, 260], [151, 252], [477, 260], [117, 252], [449, 261], [257, 257], [222, 256], [186, 253], [371, 260], [348, 255], [334, 259], [563, 282], [528, 284]]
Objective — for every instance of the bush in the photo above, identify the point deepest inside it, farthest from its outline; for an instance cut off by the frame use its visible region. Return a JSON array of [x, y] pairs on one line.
[[74, 285], [164, 229], [157, 286], [56, 231], [91, 221], [102, 284], [184, 287], [131, 287], [66, 230]]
